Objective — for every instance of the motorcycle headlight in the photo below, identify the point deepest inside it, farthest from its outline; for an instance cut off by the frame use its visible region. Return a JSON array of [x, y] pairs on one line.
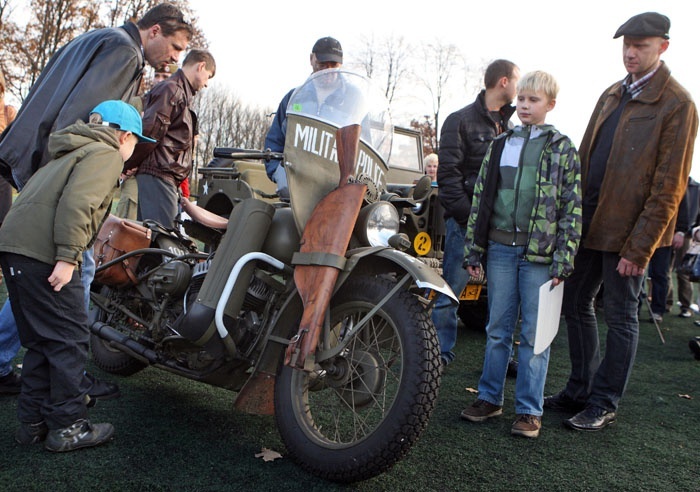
[[376, 223]]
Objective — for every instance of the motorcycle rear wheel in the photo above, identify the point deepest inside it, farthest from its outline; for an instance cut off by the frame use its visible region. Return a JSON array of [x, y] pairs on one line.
[[357, 418]]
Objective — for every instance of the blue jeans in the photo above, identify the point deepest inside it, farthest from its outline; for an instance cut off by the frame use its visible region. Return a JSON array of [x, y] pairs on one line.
[[9, 339], [87, 274], [592, 381], [445, 311], [514, 285]]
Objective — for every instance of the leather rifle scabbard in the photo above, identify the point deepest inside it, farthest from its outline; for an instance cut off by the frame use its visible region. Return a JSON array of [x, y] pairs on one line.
[[328, 231]]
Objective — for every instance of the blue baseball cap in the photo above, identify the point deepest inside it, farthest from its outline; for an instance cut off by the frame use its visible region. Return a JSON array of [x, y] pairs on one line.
[[122, 116]]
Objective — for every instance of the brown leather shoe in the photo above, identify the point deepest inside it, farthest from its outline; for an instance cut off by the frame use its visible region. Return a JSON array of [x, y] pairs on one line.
[[526, 425]]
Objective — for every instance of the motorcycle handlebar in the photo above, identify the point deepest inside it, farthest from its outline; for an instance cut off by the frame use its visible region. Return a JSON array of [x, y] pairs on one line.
[[234, 153]]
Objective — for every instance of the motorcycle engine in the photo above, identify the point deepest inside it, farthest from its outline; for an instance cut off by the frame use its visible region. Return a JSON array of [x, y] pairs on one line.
[[257, 295], [198, 273], [172, 278], [255, 299]]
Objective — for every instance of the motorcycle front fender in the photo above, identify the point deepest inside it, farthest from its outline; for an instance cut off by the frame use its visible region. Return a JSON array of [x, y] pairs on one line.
[[424, 276]]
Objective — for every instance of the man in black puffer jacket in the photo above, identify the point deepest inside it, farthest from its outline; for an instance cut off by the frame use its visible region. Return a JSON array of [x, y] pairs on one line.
[[464, 140]]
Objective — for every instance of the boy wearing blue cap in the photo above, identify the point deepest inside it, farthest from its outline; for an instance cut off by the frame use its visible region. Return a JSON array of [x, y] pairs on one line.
[[53, 220]]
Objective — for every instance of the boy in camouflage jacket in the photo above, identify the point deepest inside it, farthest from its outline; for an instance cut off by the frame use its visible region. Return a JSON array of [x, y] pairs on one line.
[[526, 219]]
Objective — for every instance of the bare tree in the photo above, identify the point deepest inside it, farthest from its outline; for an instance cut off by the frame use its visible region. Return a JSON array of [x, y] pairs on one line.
[[386, 60], [224, 121], [440, 61], [368, 55], [25, 50]]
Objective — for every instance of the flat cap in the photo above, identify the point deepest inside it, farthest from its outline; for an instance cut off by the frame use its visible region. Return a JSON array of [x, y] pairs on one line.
[[646, 25]]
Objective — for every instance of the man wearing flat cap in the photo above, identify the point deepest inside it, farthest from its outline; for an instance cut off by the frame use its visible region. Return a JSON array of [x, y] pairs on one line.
[[636, 156], [326, 53]]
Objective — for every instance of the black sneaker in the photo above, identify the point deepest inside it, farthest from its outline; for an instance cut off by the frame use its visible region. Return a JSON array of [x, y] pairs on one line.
[[591, 419], [31, 433], [100, 390], [81, 434], [10, 384]]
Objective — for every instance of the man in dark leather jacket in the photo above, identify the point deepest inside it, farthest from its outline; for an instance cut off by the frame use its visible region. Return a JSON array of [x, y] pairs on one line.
[[96, 66], [99, 65], [464, 140], [169, 119]]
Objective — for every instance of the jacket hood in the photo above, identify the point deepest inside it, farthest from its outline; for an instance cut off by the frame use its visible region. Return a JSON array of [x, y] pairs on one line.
[[78, 135]]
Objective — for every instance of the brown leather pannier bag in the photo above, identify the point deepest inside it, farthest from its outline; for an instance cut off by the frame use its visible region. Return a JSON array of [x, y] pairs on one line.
[[116, 237]]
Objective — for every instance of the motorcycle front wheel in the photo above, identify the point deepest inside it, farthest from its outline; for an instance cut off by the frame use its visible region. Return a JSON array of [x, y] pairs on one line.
[[360, 412]]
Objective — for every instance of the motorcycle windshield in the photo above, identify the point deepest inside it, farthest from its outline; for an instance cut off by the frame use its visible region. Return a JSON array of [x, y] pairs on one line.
[[329, 100], [340, 98]]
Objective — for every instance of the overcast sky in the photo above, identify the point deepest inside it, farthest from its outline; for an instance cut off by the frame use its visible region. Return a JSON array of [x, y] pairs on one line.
[[262, 48]]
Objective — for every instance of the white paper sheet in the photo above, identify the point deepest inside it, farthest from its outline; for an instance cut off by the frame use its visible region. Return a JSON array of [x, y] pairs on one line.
[[548, 314]]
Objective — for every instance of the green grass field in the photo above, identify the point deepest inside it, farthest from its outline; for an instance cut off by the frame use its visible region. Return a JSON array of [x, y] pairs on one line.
[[177, 435]]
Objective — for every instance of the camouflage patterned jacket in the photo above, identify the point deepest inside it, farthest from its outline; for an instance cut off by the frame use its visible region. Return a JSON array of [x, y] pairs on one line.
[[555, 222]]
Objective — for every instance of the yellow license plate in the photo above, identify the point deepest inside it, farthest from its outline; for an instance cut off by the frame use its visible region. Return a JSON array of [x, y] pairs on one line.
[[470, 293]]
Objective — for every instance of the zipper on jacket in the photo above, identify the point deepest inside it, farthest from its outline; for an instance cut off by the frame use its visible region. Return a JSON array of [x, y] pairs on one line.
[[516, 188], [538, 196]]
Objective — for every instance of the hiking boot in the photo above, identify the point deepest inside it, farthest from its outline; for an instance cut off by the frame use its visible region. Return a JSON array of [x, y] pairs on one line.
[[100, 390], [10, 384], [31, 433], [81, 434], [481, 410], [526, 425], [561, 402]]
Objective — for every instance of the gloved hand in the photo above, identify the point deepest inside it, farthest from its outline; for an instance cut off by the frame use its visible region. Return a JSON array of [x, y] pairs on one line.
[[280, 177]]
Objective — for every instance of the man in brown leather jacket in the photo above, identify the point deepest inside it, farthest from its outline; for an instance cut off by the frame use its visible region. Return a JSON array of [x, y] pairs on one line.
[[169, 119], [636, 156]]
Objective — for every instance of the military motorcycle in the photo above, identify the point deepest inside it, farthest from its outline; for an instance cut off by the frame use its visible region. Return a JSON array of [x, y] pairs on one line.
[[307, 310]]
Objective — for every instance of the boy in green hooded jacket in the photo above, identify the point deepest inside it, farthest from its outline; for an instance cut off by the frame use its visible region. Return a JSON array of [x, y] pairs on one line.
[[53, 220]]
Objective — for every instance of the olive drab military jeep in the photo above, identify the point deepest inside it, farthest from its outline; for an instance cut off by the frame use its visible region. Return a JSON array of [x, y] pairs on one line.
[[424, 224]]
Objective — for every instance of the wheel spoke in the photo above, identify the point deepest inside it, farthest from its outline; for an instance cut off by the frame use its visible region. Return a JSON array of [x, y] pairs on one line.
[[352, 410]]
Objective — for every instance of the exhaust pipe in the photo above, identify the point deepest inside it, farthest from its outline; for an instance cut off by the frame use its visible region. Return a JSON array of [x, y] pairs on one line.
[[128, 345], [134, 349]]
